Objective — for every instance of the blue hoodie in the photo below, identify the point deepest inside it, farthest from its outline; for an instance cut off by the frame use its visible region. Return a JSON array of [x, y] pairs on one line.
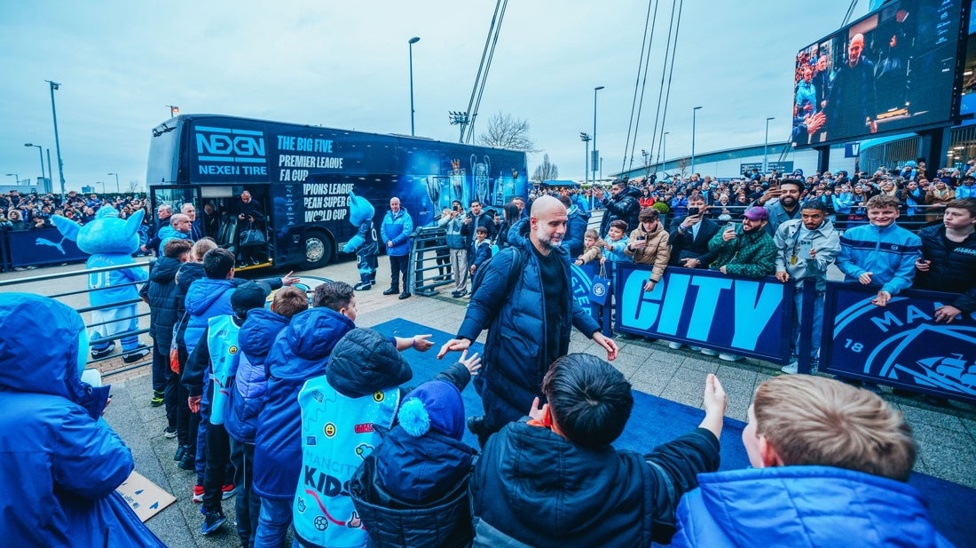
[[247, 396], [300, 352], [205, 299], [60, 463]]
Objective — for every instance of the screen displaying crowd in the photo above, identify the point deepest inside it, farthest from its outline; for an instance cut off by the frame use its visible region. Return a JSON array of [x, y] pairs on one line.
[[893, 70]]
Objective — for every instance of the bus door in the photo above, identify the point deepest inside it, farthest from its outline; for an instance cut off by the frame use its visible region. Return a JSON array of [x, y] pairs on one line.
[[175, 197]]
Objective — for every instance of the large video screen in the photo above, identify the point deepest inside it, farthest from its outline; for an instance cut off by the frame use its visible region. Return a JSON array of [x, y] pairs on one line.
[[894, 70]]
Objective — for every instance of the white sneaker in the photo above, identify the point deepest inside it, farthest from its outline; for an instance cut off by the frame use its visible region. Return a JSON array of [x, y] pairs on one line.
[[708, 352], [694, 348], [729, 357], [674, 345], [790, 369]]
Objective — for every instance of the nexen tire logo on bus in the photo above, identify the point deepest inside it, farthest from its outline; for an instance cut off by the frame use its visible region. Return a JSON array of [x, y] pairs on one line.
[[230, 146]]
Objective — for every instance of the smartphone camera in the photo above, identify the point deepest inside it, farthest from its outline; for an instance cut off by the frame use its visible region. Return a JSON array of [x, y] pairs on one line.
[[730, 226], [692, 211]]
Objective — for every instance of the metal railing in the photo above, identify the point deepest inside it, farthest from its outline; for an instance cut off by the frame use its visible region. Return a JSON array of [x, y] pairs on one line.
[[63, 296], [430, 264]]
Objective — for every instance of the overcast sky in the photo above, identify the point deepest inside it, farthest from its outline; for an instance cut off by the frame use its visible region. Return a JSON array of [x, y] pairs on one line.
[[344, 64]]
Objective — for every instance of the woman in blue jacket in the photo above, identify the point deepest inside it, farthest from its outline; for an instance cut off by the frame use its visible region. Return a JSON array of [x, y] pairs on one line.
[[59, 463]]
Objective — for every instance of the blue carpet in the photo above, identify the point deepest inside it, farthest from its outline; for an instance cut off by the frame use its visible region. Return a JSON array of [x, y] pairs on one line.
[[655, 420]]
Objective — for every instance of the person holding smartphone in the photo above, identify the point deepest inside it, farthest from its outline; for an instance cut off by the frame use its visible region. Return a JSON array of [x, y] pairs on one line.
[[747, 250], [648, 244], [689, 236]]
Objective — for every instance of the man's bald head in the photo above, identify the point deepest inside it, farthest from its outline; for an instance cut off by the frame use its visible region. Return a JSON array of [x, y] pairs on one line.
[[547, 224], [546, 204]]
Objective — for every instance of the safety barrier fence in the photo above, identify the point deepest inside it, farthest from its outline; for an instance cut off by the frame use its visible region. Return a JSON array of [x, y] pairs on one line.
[[71, 291], [899, 345]]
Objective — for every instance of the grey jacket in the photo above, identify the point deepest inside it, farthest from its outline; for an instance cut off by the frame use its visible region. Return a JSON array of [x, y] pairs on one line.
[[825, 240]]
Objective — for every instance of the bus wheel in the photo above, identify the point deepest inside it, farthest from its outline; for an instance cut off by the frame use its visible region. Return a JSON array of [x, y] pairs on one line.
[[318, 249]]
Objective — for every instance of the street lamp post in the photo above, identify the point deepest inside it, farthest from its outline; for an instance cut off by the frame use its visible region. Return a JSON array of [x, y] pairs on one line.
[[766, 144], [117, 189], [103, 185], [16, 178], [40, 154], [49, 171], [694, 120], [586, 156], [173, 110], [57, 142], [596, 153], [412, 41], [664, 152]]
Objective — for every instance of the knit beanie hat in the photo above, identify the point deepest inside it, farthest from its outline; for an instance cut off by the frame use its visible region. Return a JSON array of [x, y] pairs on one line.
[[434, 405]]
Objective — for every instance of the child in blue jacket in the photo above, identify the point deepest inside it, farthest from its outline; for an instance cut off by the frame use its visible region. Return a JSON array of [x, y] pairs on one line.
[[480, 249], [246, 397]]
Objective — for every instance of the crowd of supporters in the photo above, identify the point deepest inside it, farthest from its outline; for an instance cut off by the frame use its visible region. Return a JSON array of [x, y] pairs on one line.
[[28, 211]]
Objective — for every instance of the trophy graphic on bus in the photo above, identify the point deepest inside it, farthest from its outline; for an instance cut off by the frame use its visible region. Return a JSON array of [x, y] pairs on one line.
[[456, 177], [480, 179]]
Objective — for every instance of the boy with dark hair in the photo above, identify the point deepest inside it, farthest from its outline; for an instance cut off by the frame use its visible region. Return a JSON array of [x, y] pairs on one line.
[[559, 467], [880, 252], [212, 367], [480, 250], [258, 333], [300, 352], [830, 464], [948, 261], [160, 293]]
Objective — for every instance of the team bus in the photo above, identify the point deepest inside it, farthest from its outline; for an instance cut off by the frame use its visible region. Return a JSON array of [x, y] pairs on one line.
[[298, 178]]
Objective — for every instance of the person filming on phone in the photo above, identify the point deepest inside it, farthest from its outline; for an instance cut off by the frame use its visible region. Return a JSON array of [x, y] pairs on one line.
[[689, 236], [747, 250]]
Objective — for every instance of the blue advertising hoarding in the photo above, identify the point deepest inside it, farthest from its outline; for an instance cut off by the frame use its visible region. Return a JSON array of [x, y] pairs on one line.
[[707, 308], [899, 344], [41, 247]]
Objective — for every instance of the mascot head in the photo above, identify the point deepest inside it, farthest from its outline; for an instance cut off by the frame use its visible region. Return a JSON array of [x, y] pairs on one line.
[[105, 234], [360, 210]]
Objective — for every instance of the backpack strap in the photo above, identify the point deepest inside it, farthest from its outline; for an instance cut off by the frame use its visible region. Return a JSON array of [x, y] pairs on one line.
[[518, 263]]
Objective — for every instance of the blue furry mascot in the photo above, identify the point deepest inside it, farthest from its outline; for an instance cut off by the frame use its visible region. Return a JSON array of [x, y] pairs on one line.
[[363, 244], [110, 241]]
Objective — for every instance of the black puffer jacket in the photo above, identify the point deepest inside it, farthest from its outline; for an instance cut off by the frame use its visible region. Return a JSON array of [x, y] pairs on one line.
[[161, 292], [391, 521], [624, 206], [534, 487], [954, 272]]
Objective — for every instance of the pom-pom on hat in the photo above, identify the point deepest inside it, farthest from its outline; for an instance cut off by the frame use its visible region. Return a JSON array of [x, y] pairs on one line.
[[434, 405]]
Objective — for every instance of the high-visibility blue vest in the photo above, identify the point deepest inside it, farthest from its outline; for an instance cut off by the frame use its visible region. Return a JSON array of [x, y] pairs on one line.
[[225, 354], [337, 434]]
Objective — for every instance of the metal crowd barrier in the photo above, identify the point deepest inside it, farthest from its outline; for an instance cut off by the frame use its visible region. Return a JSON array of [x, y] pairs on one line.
[[430, 263], [66, 295]]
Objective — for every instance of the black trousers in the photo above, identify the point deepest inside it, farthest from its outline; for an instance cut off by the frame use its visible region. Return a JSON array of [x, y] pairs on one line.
[[248, 504], [399, 266], [218, 457], [169, 384]]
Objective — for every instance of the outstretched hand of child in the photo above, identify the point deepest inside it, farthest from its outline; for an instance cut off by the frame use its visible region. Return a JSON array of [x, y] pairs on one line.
[[472, 364], [422, 343], [715, 398]]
